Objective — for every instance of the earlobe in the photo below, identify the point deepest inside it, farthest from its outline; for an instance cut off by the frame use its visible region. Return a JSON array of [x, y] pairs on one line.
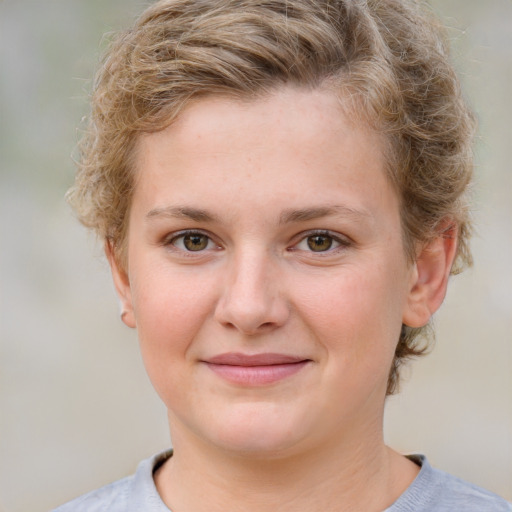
[[122, 286], [429, 278]]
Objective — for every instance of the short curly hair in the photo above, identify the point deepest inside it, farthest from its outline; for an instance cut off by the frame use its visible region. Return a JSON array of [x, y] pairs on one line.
[[388, 57]]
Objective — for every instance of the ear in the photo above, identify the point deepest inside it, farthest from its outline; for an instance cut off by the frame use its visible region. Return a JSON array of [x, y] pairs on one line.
[[429, 278], [122, 285]]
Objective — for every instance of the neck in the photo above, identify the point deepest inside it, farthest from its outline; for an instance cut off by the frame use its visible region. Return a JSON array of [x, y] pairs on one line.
[[343, 476]]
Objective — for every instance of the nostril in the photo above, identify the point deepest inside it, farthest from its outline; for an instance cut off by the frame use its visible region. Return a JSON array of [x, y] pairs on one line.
[[251, 330]]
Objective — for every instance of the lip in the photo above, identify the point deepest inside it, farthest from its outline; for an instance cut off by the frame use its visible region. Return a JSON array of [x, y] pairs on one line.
[[255, 369]]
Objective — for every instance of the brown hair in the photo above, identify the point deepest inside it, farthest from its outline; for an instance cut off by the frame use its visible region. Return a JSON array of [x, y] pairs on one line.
[[388, 56]]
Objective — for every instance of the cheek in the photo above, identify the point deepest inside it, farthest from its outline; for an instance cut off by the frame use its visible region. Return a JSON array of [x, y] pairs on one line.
[[167, 323], [357, 312], [170, 308]]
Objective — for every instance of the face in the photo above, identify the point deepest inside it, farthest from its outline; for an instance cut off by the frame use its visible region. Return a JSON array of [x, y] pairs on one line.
[[266, 272]]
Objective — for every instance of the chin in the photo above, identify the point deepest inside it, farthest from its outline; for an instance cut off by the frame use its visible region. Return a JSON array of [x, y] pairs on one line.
[[251, 431], [266, 446]]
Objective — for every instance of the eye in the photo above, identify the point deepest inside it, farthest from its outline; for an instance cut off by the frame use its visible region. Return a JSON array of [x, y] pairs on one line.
[[192, 241], [321, 242]]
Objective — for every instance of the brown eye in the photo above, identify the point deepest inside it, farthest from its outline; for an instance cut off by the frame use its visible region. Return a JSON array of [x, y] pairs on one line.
[[195, 242], [319, 243]]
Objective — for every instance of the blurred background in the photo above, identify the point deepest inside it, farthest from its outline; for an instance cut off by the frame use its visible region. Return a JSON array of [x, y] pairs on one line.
[[76, 409]]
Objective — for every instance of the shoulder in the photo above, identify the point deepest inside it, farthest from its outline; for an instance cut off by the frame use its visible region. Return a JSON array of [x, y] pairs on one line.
[[112, 497], [436, 491], [133, 493]]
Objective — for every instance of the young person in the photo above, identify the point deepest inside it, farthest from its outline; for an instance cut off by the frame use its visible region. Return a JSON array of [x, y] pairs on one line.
[[282, 191]]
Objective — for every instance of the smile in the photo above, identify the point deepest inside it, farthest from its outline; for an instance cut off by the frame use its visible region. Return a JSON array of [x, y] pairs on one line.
[[255, 370]]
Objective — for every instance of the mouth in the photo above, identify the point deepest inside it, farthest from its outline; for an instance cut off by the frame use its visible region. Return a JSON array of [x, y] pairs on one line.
[[255, 369]]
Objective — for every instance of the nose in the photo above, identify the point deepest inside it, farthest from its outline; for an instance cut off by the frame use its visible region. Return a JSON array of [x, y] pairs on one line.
[[252, 299]]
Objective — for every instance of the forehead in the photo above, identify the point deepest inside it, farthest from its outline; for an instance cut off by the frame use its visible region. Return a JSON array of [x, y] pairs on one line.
[[311, 118], [292, 143]]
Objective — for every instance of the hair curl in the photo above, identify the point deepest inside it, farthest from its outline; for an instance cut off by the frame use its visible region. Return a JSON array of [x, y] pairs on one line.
[[389, 56]]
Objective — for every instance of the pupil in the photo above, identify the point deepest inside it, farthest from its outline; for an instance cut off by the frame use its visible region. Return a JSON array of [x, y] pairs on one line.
[[195, 242], [319, 243]]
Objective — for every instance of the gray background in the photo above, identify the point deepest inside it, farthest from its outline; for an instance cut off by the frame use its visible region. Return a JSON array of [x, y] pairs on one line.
[[76, 409]]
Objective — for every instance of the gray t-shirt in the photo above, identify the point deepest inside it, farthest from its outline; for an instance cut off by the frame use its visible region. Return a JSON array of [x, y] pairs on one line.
[[431, 491]]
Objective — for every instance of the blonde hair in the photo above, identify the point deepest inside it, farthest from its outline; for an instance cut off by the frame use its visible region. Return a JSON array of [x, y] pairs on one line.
[[389, 56]]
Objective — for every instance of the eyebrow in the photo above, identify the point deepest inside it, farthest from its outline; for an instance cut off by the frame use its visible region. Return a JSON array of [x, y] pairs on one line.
[[305, 214], [182, 212], [287, 216]]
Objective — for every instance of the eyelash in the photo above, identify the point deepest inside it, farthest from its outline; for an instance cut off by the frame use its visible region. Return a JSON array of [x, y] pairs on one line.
[[341, 242], [171, 241]]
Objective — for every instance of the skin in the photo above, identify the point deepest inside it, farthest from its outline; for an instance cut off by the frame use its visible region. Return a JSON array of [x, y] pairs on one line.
[[300, 253]]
